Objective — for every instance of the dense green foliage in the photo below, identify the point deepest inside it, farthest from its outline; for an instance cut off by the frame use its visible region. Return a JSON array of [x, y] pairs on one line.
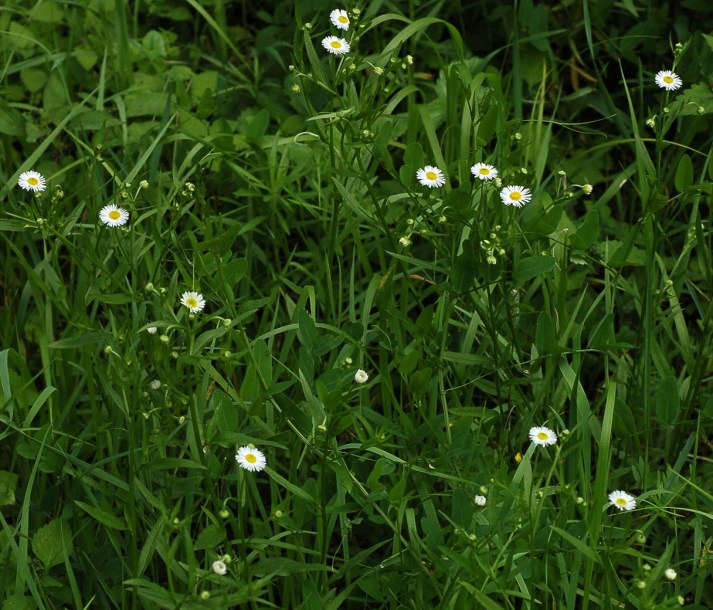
[[279, 181]]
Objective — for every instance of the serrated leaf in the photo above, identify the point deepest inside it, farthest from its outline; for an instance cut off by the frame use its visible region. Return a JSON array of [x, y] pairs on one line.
[[52, 543]]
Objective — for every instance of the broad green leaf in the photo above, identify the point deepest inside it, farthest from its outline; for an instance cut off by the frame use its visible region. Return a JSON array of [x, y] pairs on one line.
[[52, 543], [684, 174], [533, 266], [668, 401], [8, 483]]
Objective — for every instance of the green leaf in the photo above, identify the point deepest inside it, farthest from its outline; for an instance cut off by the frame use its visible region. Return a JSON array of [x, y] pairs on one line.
[[12, 123], [533, 266], [8, 483], [52, 543], [210, 538], [47, 12], [668, 401], [33, 79], [684, 174], [104, 517], [587, 232]]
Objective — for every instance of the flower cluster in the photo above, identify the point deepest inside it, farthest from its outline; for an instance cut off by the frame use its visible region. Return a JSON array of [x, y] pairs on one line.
[[517, 196], [335, 44]]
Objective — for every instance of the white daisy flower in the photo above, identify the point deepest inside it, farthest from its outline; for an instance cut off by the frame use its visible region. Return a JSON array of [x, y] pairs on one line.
[[480, 500], [113, 215], [515, 195], [670, 574], [251, 459], [194, 301], [339, 19], [483, 171], [622, 500], [219, 567], [361, 376], [155, 384], [335, 45], [31, 181], [668, 80], [542, 436], [430, 176]]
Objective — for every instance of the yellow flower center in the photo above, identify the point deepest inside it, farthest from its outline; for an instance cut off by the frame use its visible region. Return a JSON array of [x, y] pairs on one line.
[[431, 175], [115, 215], [543, 436], [484, 171], [620, 501], [342, 19], [192, 302], [335, 44], [32, 181], [515, 195], [668, 79], [250, 457]]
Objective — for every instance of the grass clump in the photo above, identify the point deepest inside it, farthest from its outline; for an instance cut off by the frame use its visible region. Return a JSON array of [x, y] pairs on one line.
[[414, 313]]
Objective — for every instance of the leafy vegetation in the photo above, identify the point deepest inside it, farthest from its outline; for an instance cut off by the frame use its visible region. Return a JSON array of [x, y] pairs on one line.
[[388, 347]]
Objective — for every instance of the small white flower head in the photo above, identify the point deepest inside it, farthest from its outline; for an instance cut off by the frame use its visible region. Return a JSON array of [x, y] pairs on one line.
[[155, 384], [483, 171], [361, 376], [542, 436], [480, 500], [194, 301], [339, 19], [219, 567], [152, 330], [31, 181], [113, 215], [587, 189], [405, 241], [515, 195], [430, 176], [622, 500], [335, 45], [668, 80], [670, 574], [251, 459]]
